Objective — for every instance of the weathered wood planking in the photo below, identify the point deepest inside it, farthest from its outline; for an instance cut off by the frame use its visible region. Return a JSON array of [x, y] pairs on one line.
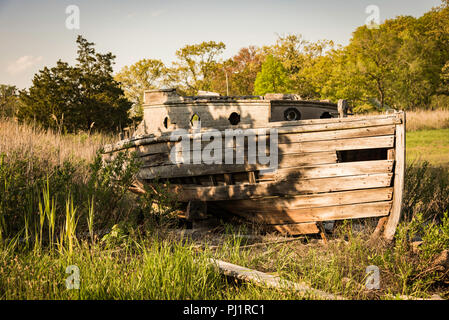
[[284, 161], [260, 278], [266, 189], [316, 200], [351, 211], [398, 181], [284, 149], [158, 154], [186, 170], [297, 228], [282, 139], [329, 169], [301, 126], [336, 134], [338, 145], [332, 170]]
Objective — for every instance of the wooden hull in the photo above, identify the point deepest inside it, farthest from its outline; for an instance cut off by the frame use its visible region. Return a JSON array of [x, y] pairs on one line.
[[328, 169]]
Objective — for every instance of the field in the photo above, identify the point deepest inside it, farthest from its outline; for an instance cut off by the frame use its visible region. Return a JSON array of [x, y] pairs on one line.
[[428, 145], [59, 213]]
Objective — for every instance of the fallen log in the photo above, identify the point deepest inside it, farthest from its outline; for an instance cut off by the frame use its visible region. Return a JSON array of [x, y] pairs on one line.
[[268, 280]]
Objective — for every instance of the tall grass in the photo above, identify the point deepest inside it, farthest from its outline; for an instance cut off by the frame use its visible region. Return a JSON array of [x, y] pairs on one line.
[[427, 119]]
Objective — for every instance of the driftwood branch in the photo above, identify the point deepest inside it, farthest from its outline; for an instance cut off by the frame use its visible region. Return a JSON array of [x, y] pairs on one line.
[[264, 279]]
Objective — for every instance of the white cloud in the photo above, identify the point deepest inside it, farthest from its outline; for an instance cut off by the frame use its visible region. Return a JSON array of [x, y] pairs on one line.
[[22, 64], [157, 13]]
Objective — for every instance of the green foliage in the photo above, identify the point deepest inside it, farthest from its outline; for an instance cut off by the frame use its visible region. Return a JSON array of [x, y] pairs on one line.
[[143, 75], [83, 97], [273, 78], [8, 101], [426, 191], [38, 198], [195, 65]]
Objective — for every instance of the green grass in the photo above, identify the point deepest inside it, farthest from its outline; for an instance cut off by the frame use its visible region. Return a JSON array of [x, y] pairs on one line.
[[428, 145], [164, 266]]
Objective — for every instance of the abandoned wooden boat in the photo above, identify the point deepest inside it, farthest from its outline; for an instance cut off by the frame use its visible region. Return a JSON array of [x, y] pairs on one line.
[[285, 162]]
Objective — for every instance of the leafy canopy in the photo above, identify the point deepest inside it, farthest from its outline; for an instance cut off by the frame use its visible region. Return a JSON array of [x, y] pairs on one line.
[[80, 97]]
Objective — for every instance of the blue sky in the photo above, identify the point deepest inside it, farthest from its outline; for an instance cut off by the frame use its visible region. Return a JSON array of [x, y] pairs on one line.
[[33, 33]]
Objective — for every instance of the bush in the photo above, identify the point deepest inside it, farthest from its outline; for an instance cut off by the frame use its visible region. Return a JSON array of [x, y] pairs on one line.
[[426, 191]]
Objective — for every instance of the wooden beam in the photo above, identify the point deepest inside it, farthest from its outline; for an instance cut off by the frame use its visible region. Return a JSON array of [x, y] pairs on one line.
[[284, 161], [266, 189], [338, 145], [351, 211], [152, 171], [315, 200], [332, 170], [251, 177], [263, 279], [398, 182], [297, 228], [287, 138]]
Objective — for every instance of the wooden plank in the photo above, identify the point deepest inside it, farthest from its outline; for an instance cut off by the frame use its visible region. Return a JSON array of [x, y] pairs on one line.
[[288, 138], [284, 161], [263, 279], [316, 200], [351, 211], [332, 170], [228, 179], [152, 171], [337, 123], [382, 221], [315, 125], [336, 134], [398, 182], [296, 228], [310, 186], [338, 145], [252, 177]]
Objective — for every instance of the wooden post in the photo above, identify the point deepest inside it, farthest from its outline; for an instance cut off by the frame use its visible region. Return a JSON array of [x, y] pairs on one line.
[[399, 175], [342, 108], [391, 155]]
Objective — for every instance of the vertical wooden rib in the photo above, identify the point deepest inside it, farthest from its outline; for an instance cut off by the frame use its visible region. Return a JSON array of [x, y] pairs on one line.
[[381, 223], [399, 173], [228, 178], [252, 177]]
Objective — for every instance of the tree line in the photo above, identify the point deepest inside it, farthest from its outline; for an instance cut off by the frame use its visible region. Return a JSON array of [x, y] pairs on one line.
[[402, 64]]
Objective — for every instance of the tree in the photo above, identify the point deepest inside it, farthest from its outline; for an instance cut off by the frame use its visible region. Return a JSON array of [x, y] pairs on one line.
[[143, 75], [195, 66], [299, 56], [246, 64], [273, 78], [82, 97], [8, 100]]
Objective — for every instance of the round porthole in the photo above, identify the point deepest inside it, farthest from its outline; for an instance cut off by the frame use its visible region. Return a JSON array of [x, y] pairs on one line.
[[194, 118], [234, 118], [325, 115], [166, 122], [292, 114]]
